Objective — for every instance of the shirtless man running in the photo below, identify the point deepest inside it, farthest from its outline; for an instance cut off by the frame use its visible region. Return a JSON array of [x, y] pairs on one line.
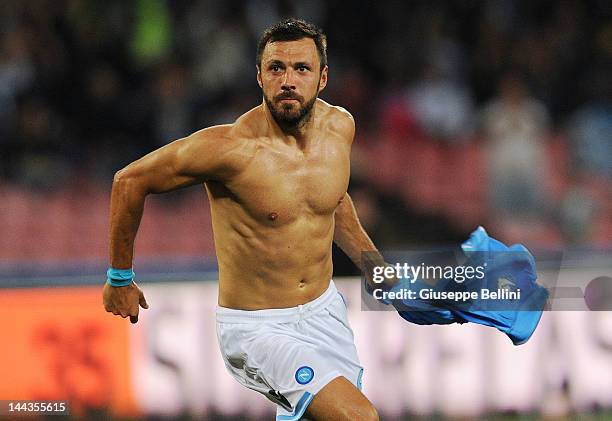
[[277, 183]]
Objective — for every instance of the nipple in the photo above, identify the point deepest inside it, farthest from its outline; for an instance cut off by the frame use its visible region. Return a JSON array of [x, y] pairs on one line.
[[272, 216]]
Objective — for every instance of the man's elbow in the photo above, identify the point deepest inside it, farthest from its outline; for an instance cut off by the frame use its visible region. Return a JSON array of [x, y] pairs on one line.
[[124, 177], [127, 179], [121, 176]]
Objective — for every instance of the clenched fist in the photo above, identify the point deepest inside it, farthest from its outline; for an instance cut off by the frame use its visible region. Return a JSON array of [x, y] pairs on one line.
[[124, 301]]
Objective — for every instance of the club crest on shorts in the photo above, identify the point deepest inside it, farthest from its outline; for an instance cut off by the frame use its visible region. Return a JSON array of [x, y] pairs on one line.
[[304, 375]]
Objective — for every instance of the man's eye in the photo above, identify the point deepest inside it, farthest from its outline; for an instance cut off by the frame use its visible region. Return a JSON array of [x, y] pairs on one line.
[[275, 68], [303, 68]]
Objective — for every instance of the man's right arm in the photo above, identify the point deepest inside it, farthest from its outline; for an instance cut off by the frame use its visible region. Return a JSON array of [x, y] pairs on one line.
[[210, 154], [205, 155]]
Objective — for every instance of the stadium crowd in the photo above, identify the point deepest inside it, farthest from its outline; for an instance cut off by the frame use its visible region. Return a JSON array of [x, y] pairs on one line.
[[493, 112]]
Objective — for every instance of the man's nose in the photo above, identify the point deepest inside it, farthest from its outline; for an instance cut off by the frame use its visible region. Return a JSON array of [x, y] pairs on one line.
[[288, 81]]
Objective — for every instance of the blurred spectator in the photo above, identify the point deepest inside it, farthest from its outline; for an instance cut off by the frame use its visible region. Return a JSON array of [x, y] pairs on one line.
[[591, 136], [40, 159], [442, 106], [514, 125], [88, 86], [16, 76], [152, 36], [173, 109], [223, 60], [577, 211], [586, 205], [590, 130], [441, 100]]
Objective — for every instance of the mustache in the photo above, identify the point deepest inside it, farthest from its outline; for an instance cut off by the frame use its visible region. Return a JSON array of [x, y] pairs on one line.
[[288, 95]]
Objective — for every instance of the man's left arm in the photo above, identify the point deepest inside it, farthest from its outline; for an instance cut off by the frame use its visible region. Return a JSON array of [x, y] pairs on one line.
[[350, 236]]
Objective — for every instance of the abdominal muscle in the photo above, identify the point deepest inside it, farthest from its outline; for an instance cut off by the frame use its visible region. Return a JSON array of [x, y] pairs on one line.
[[267, 266]]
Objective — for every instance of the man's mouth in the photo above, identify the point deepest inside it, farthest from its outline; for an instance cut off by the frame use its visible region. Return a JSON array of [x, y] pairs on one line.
[[287, 99]]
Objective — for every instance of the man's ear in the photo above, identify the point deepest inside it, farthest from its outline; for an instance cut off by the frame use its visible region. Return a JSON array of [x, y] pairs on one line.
[[323, 78], [259, 76]]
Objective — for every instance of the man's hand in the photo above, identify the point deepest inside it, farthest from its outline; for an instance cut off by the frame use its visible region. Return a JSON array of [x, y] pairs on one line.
[[371, 260], [124, 301]]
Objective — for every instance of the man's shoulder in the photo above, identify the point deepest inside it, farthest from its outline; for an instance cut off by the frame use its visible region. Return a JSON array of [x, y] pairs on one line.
[[335, 111], [250, 124], [338, 119], [245, 128], [233, 143]]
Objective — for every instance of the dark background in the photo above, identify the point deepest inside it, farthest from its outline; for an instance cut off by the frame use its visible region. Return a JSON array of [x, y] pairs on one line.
[[469, 113]]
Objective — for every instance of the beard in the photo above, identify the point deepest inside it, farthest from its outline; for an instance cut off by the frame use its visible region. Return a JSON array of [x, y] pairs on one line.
[[290, 115]]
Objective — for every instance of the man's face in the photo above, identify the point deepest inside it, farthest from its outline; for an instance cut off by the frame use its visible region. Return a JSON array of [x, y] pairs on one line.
[[291, 80]]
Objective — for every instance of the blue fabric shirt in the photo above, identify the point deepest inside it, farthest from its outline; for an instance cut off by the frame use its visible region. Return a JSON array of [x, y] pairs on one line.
[[511, 269]]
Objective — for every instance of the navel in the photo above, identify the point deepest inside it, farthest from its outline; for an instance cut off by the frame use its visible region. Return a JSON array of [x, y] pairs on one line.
[[272, 216]]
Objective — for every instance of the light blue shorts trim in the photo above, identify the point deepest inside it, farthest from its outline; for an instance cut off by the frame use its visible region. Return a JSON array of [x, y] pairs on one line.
[[300, 408]]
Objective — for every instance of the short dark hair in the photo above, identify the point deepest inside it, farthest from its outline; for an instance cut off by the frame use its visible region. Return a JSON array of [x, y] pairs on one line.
[[292, 30]]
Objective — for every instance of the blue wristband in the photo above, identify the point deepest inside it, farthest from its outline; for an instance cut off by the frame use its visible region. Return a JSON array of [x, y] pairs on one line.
[[119, 277]]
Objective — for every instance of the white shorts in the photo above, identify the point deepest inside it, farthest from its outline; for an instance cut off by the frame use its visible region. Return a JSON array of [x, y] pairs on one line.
[[289, 354]]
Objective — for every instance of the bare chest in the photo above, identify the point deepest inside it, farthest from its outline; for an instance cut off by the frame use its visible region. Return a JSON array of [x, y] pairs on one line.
[[280, 186]]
